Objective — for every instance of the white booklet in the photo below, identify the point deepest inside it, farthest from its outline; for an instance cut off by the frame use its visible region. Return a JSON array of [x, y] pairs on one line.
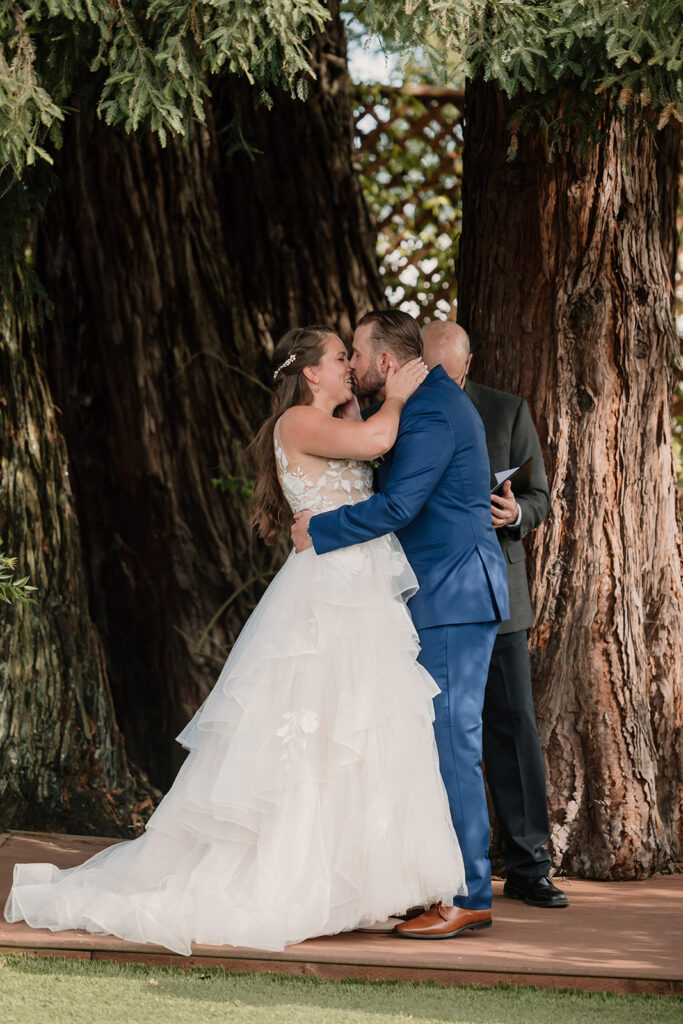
[[519, 477]]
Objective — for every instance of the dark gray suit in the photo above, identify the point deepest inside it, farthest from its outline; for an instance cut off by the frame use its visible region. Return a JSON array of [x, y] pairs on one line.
[[511, 439], [512, 751]]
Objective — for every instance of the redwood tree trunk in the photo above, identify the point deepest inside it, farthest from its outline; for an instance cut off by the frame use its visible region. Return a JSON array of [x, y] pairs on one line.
[[173, 272], [62, 758], [668, 152], [303, 239], [565, 292]]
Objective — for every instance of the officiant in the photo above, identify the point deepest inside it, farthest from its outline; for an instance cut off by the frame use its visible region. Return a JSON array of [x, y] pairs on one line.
[[511, 748]]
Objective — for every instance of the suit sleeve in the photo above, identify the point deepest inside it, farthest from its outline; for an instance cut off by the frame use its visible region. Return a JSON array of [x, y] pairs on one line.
[[423, 449], [535, 501]]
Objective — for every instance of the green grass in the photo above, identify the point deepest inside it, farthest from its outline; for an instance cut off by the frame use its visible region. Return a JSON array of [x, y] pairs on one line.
[[54, 991]]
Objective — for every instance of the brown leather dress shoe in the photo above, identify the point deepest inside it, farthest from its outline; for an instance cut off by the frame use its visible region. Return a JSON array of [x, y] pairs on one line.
[[444, 922]]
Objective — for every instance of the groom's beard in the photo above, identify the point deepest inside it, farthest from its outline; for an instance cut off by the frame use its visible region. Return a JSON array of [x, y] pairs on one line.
[[370, 383]]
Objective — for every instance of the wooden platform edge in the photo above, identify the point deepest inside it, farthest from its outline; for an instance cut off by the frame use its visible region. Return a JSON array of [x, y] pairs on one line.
[[368, 972]]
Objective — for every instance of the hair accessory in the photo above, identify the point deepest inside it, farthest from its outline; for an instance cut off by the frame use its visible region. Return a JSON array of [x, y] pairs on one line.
[[286, 363]]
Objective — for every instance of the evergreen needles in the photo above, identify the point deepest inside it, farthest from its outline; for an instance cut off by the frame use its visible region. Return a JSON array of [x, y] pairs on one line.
[[577, 62], [13, 591]]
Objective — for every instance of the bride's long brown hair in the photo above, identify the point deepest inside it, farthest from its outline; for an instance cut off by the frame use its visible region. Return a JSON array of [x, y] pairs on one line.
[[270, 513]]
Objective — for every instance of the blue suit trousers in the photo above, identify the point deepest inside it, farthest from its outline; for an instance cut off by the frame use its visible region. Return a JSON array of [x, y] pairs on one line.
[[458, 657]]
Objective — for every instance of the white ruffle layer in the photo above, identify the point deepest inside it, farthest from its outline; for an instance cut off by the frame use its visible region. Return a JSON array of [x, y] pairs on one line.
[[311, 801]]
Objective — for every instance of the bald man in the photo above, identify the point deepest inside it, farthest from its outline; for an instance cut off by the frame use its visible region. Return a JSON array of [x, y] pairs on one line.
[[512, 751]]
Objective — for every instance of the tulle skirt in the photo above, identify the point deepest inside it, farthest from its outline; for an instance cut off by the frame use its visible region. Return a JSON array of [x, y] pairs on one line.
[[310, 802]]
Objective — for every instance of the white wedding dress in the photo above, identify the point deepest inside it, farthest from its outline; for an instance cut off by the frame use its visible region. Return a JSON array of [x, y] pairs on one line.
[[311, 801]]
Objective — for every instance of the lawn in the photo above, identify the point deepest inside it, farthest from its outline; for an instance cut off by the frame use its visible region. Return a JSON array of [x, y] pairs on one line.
[[54, 991]]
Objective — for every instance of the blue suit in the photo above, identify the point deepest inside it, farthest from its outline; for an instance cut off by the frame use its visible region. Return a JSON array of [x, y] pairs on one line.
[[435, 496]]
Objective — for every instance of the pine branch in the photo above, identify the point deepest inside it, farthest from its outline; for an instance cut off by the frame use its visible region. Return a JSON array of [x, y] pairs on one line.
[[13, 591]]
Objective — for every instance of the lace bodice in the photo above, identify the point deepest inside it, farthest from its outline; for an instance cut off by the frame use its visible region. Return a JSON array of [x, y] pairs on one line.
[[321, 484]]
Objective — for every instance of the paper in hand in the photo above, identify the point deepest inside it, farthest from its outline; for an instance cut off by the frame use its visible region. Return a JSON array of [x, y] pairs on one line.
[[519, 477]]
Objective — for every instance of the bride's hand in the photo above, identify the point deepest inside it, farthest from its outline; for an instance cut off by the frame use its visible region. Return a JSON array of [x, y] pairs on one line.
[[402, 381]]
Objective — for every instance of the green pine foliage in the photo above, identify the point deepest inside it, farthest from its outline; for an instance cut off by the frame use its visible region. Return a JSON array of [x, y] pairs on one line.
[[150, 62], [27, 111], [578, 61], [241, 486], [13, 591], [574, 63]]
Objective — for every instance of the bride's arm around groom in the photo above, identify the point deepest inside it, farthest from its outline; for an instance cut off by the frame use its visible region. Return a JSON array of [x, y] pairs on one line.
[[434, 494]]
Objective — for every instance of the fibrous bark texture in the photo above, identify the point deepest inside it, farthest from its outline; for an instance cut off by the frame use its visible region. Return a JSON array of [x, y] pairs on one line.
[[668, 155], [303, 239], [146, 355], [62, 760], [173, 272], [565, 291]]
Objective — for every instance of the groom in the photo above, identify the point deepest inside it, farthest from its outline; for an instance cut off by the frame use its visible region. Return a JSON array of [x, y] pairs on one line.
[[434, 494]]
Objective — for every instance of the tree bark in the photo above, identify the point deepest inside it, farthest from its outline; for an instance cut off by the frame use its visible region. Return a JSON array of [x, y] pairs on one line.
[[565, 292], [304, 240], [63, 764], [173, 271], [668, 154]]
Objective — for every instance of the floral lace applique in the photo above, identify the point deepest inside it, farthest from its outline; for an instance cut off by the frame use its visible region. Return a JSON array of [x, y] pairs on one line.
[[298, 725], [343, 482]]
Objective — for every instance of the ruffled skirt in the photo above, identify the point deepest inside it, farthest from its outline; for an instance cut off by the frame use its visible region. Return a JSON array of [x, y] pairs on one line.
[[310, 802]]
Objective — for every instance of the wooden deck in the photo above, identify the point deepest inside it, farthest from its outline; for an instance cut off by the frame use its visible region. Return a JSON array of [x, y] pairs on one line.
[[615, 937]]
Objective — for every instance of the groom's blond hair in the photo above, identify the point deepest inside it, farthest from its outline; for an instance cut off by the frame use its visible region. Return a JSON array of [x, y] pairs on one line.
[[394, 331]]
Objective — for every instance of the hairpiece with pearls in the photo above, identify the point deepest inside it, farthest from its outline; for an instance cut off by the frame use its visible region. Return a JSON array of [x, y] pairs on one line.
[[286, 363]]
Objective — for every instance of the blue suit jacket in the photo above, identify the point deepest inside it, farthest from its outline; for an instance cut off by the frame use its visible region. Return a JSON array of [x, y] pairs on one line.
[[435, 495]]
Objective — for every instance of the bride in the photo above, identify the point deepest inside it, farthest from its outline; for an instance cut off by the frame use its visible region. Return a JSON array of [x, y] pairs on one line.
[[311, 800]]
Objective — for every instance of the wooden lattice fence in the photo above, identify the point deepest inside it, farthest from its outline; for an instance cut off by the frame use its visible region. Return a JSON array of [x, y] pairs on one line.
[[409, 143]]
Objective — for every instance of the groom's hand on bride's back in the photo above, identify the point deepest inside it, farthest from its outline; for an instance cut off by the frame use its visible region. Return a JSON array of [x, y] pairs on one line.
[[299, 531]]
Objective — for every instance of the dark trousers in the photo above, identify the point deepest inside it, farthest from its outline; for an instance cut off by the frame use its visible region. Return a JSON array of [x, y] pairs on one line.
[[457, 657], [513, 759]]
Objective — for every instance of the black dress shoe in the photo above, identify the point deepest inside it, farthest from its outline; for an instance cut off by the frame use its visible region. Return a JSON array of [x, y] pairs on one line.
[[537, 892]]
